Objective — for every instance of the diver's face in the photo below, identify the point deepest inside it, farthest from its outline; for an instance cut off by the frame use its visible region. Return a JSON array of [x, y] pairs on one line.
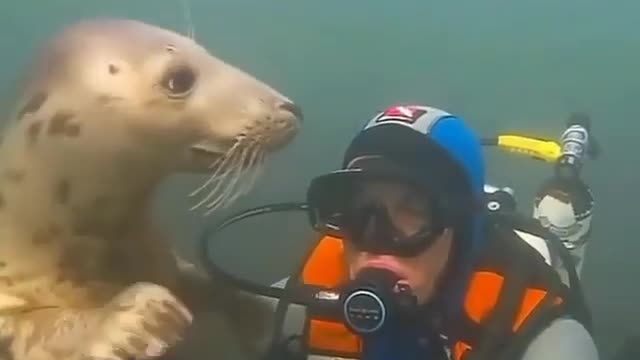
[[407, 213]]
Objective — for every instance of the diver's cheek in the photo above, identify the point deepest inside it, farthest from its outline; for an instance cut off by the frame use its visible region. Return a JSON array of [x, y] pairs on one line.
[[352, 272], [354, 260], [353, 264]]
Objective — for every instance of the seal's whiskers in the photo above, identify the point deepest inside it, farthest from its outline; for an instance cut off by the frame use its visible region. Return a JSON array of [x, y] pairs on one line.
[[255, 169], [221, 166], [191, 28], [235, 174], [221, 173], [246, 174], [232, 178]]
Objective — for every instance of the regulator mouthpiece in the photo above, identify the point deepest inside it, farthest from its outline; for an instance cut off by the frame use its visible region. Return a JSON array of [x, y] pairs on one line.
[[375, 298]]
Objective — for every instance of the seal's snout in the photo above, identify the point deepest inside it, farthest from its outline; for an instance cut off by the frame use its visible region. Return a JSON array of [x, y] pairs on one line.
[[278, 128], [293, 108]]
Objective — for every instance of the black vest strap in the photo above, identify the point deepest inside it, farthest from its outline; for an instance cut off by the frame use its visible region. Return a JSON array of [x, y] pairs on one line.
[[497, 328], [522, 268]]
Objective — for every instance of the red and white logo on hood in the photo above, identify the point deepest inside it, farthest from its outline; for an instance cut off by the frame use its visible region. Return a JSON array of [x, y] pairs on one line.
[[418, 117], [406, 113]]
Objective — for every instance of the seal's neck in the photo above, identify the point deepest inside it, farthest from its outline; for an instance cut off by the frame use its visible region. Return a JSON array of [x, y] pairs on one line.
[[98, 187]]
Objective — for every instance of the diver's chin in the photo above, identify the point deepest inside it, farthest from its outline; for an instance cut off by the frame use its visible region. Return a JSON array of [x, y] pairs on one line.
[[201, 159]]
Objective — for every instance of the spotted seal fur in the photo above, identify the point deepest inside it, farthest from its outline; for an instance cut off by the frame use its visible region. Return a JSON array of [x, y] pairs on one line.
[[108, 109]]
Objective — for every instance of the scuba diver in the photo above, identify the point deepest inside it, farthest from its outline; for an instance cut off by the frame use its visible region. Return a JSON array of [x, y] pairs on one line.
[[408, 204], [420, 259]]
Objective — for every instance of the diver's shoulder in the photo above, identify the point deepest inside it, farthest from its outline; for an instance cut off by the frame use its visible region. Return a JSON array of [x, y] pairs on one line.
[[563, 339]]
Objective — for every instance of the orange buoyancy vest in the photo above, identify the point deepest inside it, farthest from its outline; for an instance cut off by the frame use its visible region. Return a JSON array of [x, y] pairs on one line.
[[512, 294]]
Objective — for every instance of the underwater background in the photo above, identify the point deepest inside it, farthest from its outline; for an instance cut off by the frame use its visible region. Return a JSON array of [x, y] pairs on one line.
[[504, 66]]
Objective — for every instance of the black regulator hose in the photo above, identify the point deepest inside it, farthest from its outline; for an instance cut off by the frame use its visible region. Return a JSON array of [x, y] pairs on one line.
[[285, 296], [210, 232]]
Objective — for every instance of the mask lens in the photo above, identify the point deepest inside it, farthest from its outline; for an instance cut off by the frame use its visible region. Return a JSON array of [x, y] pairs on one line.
[[393, 219]]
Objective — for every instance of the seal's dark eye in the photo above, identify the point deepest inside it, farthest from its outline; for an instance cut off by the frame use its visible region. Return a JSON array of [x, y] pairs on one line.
[[179, 81]]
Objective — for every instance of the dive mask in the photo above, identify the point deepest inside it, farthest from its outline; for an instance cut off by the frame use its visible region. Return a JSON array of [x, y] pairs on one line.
[[373, 226]]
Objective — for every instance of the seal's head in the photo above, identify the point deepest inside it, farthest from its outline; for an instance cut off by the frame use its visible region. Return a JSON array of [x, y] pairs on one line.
[[153, 99]]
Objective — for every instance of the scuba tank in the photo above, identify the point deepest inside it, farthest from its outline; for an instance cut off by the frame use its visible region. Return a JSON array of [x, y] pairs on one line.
[[564, 203]]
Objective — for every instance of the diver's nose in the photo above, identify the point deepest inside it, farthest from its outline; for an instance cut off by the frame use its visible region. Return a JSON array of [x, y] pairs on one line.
[[293, 108]]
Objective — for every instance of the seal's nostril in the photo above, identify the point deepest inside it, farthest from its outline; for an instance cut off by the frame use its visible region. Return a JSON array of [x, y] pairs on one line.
[[292, 108]]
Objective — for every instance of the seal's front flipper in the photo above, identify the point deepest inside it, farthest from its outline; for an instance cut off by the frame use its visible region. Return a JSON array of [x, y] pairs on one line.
[[142, 322], [48, 333], [10, 304]]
